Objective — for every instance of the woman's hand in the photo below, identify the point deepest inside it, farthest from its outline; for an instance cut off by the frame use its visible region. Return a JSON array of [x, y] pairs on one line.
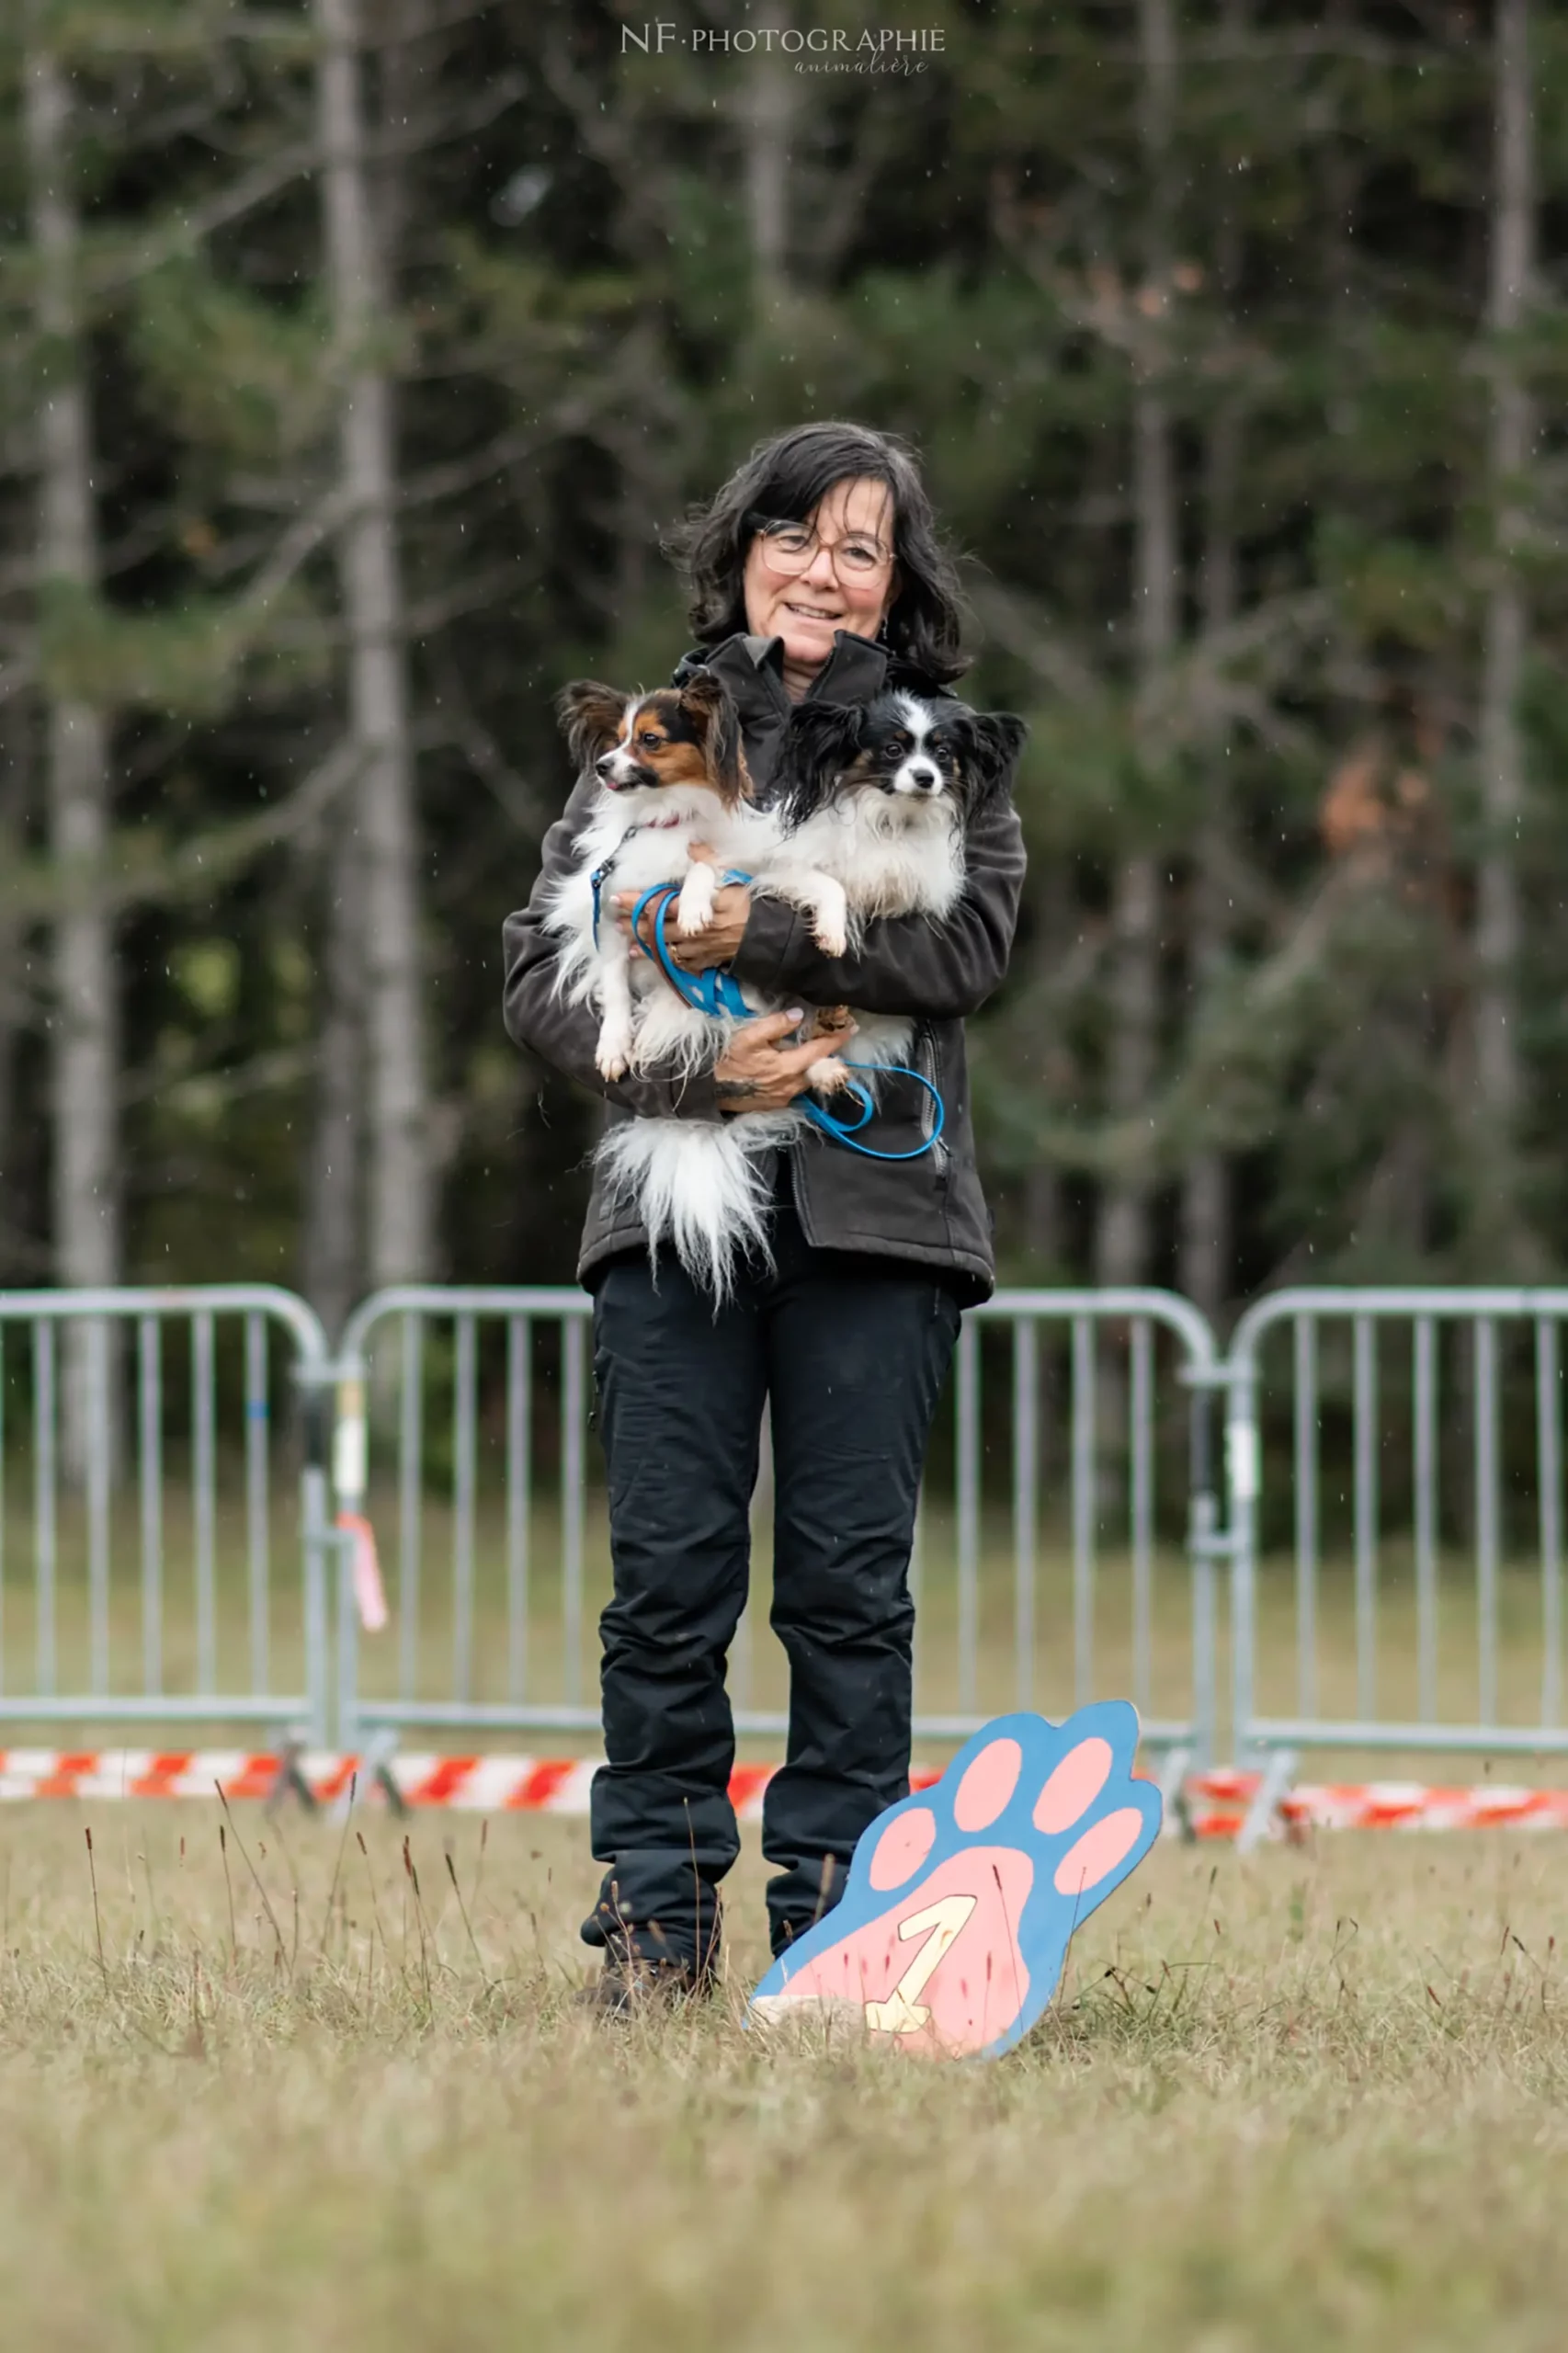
[[759, 1074], [719, 940]]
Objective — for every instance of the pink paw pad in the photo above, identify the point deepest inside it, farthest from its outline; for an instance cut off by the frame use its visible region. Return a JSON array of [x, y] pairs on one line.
[[903, 1848]]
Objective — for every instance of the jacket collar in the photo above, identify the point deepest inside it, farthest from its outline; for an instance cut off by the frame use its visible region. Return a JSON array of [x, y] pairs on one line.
[[753, 669]]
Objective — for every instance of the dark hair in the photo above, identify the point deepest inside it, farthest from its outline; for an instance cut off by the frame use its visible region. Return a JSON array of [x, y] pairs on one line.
[[789, 477]]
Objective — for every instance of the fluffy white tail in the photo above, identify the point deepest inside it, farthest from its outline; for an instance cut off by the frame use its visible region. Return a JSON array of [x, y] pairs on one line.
[[695, 1187]]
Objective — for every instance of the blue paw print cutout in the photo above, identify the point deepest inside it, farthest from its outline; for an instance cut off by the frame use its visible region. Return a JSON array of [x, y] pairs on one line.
[[963, 1899]]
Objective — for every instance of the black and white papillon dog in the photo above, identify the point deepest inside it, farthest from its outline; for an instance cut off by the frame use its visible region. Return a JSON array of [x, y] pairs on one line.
[[868, 818], [878, 799]]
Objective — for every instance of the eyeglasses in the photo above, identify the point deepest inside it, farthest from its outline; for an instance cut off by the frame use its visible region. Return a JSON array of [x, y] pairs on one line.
[[792, 548]]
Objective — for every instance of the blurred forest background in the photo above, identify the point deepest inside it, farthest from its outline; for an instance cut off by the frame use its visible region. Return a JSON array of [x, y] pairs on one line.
[[356, 356]]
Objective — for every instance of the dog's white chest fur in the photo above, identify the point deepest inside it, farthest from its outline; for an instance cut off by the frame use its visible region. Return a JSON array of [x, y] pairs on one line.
[[880, 854], [893, 854]]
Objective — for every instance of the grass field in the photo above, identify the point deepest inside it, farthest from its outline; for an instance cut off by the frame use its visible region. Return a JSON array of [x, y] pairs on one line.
[[1319, 2098]]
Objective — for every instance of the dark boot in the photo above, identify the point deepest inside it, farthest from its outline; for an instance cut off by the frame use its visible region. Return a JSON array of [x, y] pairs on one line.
[[632, 1988]]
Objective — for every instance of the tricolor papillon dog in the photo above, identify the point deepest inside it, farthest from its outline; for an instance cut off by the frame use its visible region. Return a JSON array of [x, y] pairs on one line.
[[670, 772], [868, 818]]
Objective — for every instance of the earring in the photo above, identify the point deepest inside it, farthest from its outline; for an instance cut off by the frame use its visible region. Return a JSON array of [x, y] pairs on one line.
[[883, 637]]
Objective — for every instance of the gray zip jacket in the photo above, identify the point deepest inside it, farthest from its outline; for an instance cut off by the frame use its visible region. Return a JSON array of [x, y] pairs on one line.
[[928, 1211]]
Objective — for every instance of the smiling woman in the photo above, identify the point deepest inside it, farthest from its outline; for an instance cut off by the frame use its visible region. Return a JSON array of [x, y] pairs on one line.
[[817, 578]]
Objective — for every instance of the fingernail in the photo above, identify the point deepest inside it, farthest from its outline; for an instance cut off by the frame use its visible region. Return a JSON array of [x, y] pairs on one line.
[[796, 1013]]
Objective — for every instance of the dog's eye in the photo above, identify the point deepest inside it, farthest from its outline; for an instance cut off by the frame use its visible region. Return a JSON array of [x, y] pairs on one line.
[[898, 743], [649, 738]]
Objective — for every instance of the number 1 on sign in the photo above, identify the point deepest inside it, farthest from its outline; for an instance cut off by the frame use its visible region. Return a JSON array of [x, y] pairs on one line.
[[903, 2012]]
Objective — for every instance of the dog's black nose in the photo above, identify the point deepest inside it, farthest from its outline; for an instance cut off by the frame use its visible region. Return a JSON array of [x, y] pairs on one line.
[[924, 777], [601, 765]]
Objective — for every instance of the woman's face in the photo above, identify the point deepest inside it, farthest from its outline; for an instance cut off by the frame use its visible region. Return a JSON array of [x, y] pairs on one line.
[[805, 607]]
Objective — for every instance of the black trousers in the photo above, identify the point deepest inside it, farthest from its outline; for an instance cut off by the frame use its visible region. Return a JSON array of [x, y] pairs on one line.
[[852, 1352]]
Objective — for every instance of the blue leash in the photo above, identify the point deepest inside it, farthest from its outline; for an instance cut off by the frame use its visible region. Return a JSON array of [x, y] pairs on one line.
[[717, 993], [714, 992]]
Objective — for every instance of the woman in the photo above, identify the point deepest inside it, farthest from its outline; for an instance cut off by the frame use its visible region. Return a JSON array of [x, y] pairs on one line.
[[815, 573]]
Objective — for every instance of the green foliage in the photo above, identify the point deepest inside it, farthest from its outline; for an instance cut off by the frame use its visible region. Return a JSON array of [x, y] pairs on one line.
[[242, 377], [87, 33], [591, 326], [186, 662]]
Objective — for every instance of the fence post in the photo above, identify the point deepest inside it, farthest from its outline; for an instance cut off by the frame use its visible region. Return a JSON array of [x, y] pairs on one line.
[[1202, 1543], [1242, 1479], [350, 1471], [316, 1536]]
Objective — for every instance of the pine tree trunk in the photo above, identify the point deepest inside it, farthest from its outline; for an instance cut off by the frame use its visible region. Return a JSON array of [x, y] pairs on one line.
[[1502, 759], [83, 1028], [1205, 1244], [397, 1130], [15, 767], [1123, 1240], [767, 121], [334, 1269]]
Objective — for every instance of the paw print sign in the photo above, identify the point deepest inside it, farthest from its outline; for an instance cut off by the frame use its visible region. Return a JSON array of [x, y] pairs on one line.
[[962, 1900]]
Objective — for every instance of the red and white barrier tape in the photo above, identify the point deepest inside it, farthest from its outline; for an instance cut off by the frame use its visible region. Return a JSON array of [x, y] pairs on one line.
[[477, 1784], [1217, 1802], [502, 1784]]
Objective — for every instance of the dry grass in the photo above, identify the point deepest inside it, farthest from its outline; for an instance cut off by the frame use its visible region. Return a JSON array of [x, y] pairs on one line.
[[1315, 2100]]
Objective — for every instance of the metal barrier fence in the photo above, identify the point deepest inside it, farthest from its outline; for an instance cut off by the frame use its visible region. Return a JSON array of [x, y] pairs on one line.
[[461, 1432], [145, 1533], [1444, 1520], [1394, 1522]]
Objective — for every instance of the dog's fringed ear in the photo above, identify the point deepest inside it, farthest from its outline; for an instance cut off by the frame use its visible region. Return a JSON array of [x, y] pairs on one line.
[[820, 742], [998, 739], [590, 717], [706, 697]]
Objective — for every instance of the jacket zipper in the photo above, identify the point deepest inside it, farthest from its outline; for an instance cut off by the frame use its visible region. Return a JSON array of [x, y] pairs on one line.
[[798, 1194], [926, 1063]]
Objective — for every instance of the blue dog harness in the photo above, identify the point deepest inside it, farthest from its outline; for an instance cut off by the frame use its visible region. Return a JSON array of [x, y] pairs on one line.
[[717, 993]]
